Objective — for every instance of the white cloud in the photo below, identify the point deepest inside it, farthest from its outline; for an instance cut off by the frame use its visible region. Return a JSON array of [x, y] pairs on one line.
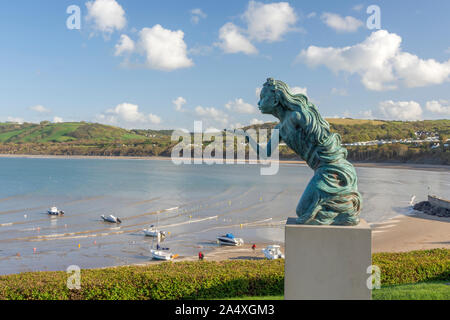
[[179, 102], [258, 92], [153, 118], [57, 119], [130, 114], [212, 114], [107, 15], [256, 121], [297, 90], [380, 62], [339, 92], [240, 106], [164, 49], [269, 22], [440, 107], [196, 15], [39, 108], [311, 15], [400, 110], [368, 114], [341, 24], [233, 40], [125, 44], [358, 7], [15, 120]]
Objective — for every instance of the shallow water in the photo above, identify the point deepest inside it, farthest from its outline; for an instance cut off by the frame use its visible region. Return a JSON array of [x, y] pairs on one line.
[[195, 203]]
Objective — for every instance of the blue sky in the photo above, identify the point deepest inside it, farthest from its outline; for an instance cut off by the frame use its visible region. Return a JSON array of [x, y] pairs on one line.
[[131, 60]]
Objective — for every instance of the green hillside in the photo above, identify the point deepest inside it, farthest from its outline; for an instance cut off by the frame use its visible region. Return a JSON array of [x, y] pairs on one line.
[[63, 132], [356, 130]]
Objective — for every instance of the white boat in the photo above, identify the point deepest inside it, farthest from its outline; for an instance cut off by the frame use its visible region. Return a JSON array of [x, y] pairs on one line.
[[111, 219], [55, 212], [153, 232], [230, 240], [273, 252], [162, 255]]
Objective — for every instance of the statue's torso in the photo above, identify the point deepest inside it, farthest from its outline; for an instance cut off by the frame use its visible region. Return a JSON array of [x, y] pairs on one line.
[[292, 132]]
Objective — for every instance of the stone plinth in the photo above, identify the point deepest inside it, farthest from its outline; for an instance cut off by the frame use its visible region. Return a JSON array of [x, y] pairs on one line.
[[327, 262]]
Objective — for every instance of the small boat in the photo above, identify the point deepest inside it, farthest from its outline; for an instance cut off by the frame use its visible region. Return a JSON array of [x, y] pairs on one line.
[[230, 240], [153, 232], [111, 219], [54, 211], [162, 255], [273, 252]]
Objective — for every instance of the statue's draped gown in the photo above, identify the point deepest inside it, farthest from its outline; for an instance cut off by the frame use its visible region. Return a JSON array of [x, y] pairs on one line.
[[331, 196]]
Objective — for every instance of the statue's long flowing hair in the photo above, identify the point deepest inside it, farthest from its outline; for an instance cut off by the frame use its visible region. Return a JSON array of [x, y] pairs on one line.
[[315, 126]]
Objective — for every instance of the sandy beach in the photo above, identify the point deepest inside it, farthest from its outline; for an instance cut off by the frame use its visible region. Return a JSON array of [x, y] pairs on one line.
[[418, 231], [400, 234]]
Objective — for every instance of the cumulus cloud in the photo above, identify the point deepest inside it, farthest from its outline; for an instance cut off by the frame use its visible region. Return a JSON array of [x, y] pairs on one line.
[[339, 92], [400, 110], [265, 23], [232, 40], [179, 102], [440, 107], [196, 15], [256, 121], [269, 22], [212, 113], [341, 24], [240, 106], [15, 120], [125, 44], [57, 119], [106, 15], [380, 62], [39, 108], [164, 49], [129, 114], [298, 90]]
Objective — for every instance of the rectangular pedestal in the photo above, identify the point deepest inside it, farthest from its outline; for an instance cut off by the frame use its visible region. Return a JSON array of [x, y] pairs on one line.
[[327, 262]]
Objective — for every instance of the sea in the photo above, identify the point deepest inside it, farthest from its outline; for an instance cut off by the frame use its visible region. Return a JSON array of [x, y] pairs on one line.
[[192, 203]]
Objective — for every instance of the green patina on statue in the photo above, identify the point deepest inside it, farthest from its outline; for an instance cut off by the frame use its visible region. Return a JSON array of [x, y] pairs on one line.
[[331, 197]]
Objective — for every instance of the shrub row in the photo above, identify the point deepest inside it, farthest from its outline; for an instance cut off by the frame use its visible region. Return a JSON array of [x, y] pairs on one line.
[[413, 266], [206, 280]]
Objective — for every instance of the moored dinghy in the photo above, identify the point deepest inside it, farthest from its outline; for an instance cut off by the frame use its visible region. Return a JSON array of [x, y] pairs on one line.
[[153, 232], [54, 211], [230, 240], [111, 219]]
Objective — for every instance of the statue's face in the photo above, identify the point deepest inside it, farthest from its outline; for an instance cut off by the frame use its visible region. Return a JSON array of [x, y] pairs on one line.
[[268, 101]]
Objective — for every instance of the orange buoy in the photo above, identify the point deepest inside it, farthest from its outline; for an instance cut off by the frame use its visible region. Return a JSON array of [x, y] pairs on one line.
[[79, 245]]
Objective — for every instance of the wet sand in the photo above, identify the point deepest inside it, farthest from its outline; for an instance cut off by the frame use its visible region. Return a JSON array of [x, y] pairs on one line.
[[417, 231]]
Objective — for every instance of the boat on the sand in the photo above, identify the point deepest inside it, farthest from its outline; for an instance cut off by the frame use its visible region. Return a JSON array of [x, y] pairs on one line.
[[229, 240], [273, 252]]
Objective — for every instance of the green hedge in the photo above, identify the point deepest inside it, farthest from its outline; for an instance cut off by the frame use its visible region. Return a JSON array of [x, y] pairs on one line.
[[413, 266], [171, 280], [206, 280]]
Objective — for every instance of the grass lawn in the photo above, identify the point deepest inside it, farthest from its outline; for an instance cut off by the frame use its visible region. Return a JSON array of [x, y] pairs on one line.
[[416, 291]]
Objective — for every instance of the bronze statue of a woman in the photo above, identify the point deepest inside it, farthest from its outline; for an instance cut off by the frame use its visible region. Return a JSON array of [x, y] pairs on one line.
[[331, 197]]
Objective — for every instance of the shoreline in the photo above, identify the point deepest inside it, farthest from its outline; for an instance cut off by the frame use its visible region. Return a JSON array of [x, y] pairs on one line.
[[386, 165]]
